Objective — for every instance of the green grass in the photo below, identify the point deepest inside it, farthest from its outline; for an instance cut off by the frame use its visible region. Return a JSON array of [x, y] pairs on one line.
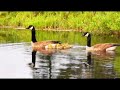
[[69, 20], [16, 36]]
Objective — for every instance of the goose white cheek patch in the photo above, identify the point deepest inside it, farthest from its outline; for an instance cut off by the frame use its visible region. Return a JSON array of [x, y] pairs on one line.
[[87, 34], [31, 28]]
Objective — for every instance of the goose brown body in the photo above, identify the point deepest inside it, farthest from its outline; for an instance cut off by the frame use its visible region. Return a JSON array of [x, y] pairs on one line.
[[102, 47]]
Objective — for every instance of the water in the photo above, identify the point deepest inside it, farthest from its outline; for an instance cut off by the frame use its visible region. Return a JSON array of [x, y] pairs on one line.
[[14, 59], [75, 63]]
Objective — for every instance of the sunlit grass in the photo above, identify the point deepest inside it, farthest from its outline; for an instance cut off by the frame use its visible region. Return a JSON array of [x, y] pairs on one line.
[[64, 20]]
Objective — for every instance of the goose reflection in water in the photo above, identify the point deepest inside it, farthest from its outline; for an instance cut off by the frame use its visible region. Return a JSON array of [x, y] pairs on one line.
[[46, 53], [100, 65], [50, 52], [69, 64], [59, 64], [101, 55], [104, 64]]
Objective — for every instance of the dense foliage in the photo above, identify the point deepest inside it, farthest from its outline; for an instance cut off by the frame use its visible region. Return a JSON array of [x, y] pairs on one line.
[[63, 20]]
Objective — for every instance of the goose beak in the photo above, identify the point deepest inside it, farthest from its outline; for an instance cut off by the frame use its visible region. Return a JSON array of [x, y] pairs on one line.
[[27, 28], [83, 34]]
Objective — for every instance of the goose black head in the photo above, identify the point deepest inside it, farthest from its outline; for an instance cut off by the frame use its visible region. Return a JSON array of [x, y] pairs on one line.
[[31, 27], [86, 34]]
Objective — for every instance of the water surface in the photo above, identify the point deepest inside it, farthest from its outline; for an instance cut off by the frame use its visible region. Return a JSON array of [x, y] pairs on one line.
[[75, 63]]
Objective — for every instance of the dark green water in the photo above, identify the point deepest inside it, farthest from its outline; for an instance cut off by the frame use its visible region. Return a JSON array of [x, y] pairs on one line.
[[75, 63]]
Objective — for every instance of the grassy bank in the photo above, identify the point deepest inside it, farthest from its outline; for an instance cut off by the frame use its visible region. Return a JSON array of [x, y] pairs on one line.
[[81, 21]]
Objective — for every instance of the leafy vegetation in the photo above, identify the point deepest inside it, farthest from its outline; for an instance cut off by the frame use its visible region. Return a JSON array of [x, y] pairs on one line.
[[63, 20]]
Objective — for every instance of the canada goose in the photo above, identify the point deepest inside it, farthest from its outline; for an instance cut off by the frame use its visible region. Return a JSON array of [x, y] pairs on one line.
[[99, 47], [49, 44]]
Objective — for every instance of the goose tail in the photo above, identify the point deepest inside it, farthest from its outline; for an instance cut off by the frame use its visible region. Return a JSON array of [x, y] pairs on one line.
[[116, 44]]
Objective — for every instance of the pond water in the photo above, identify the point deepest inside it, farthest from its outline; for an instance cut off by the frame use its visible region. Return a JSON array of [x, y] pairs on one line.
[[75, 63]]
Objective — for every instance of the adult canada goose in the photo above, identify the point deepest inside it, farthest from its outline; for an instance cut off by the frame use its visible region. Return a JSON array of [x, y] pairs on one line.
[[49, 44], [99, 47]]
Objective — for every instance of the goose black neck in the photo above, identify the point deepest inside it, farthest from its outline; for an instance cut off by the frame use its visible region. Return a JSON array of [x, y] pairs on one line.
[[33, 35], [89, 41]]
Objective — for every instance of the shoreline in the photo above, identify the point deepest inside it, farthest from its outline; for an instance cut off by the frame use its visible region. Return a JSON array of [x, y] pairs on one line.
[[111, 32]]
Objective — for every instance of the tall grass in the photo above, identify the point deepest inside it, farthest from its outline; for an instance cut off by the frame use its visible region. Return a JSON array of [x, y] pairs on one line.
[[69, 20]]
